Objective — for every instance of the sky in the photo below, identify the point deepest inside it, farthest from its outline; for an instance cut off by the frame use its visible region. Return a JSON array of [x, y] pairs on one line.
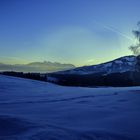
[[80, 32]]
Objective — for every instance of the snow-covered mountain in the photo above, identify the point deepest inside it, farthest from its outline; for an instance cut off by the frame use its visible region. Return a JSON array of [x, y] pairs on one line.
[[42, 67], [122, 64]]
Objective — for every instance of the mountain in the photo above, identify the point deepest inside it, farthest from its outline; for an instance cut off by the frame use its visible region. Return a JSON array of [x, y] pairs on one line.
[[41, 67], [122, 64], [119, 72]]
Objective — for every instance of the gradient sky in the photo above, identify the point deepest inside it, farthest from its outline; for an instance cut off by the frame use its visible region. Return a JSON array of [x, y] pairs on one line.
[[80, 32]]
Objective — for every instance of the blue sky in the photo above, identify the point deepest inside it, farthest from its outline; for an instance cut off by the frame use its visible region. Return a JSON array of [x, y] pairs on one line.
[[80, 32]]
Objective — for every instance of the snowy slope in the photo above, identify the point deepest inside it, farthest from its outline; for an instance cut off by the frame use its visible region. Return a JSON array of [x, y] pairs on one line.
[[32, 110], [122, 64]]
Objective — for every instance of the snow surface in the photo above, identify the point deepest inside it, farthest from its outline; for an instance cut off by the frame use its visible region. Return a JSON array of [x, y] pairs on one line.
[[33, 110]]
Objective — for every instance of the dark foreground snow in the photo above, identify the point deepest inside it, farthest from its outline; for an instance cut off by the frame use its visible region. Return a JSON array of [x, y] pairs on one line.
[[32, 110]]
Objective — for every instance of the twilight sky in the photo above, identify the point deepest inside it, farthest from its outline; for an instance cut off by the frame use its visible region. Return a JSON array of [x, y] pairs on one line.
[[80, 32]]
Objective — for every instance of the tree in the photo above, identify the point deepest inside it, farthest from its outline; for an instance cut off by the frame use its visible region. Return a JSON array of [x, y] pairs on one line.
[[136, 48]]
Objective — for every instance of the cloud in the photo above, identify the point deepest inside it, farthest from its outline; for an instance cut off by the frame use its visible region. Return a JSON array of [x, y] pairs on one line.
[[90, 60], [113, 29]]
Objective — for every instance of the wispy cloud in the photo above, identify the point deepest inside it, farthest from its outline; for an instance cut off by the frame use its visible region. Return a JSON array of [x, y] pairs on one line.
[[113, 29], [90, 60]]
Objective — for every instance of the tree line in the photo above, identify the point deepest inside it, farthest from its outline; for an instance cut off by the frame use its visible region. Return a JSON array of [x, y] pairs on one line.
[[34, 76]]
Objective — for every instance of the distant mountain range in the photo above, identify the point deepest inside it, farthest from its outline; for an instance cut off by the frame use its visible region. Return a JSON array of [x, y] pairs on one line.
[[122, 64], [42, 67], [118, 72]]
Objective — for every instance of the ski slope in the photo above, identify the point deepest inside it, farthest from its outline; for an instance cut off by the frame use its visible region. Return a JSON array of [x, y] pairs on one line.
[[33, 110]]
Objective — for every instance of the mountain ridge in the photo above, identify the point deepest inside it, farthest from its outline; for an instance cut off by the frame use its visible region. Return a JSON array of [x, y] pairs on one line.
[[42, 67], [119, 72], [122, 64]]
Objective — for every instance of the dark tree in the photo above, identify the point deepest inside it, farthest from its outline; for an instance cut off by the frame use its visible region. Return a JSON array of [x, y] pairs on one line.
[[136, 48]]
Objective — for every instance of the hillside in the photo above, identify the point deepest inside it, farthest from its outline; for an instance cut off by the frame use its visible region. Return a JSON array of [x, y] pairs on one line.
[[118, 72], [122, 64]]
